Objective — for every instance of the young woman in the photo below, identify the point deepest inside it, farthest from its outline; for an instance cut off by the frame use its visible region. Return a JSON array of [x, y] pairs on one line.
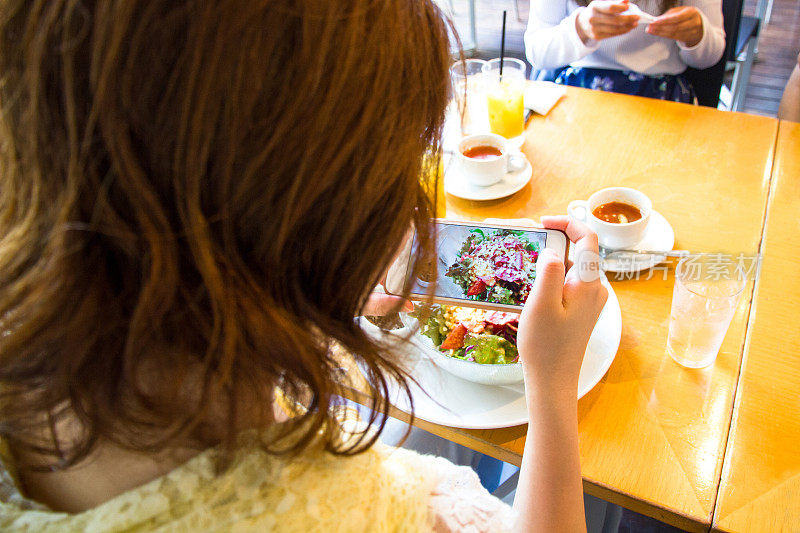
[[198, 197], [609, 45]]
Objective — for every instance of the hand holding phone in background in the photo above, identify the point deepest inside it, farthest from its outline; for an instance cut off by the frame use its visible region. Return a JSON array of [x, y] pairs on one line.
[[602, 19], [682, 23]]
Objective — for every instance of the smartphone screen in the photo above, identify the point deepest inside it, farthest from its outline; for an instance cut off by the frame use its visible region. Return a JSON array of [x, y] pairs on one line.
[[488, 266]]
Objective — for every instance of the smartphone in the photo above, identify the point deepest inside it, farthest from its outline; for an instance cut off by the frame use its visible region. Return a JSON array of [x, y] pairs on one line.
[[476, 265]]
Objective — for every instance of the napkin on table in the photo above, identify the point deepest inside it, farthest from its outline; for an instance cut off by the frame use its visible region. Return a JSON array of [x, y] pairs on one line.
[[541, 96]]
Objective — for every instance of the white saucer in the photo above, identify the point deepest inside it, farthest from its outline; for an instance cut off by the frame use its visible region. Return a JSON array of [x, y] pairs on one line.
[[442, 398], [457, 185], [658, 237]]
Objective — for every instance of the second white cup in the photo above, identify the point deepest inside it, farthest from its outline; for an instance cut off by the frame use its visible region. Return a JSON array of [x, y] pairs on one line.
[[613, 235], [485, 159]]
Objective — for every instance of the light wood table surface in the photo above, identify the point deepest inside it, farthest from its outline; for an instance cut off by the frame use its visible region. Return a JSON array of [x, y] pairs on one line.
[[760, 488], [652, 433]]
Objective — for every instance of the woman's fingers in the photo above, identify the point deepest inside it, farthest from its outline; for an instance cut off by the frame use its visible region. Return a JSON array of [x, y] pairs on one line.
[[602, 19], [686, 25], [548, 287], [609, 7], [687, 35], [575, 230], [610, 26], [597, 19], [587, 260], [604, 29], [675, 15], [379, 304], [671, 33], [681, 24], [600, 34], [586, 252], [585, 300]]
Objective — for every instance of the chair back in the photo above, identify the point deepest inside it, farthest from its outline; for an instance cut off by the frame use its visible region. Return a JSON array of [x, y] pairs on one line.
[[708, 82]]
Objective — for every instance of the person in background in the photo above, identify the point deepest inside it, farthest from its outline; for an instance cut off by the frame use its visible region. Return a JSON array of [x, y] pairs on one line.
[[790, 101], [198, 199], [609, 45]]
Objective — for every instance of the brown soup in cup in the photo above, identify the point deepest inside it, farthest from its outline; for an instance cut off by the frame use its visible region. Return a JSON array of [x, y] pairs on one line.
[[617, 212]]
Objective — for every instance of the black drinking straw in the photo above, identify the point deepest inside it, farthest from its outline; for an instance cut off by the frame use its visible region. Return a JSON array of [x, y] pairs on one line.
[[503, 45]]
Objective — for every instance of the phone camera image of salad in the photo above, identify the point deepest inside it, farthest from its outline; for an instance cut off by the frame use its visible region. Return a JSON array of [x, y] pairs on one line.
[[485, 337], [498, 266]]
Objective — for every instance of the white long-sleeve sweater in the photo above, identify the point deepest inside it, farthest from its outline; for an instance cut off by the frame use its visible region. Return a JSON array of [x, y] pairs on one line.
[[552, 41]]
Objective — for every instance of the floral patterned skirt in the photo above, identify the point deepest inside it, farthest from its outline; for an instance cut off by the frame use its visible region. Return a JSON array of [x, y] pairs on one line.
[[663, 87]]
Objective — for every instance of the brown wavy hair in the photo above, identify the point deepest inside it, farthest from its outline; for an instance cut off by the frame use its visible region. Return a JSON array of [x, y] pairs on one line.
[[663, 5], [198, 197]]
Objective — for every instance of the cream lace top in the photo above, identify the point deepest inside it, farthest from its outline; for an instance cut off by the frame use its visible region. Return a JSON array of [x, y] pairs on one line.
[[382, 489]]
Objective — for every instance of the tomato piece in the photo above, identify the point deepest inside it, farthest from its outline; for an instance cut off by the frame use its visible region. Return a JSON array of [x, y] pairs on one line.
[[476, 288], [455, 339], [499, 318]]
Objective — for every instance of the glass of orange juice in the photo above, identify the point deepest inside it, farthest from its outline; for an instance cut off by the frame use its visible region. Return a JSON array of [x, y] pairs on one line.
[[504, 98]]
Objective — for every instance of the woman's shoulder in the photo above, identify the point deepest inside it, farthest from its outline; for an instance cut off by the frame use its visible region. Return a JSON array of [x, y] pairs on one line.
[[313, 490]]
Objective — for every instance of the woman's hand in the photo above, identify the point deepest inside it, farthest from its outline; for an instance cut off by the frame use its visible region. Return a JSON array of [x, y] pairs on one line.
[[554, 329], [682, 24], [560, 313], [379, 304], [601, 19]]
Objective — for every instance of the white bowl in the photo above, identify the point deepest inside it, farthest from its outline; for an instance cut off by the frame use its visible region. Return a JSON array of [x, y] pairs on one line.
[[505, 374], [380, 334]]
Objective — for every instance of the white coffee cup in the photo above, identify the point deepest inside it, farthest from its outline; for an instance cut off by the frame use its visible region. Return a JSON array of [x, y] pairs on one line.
[[609, 234], [488, 171]]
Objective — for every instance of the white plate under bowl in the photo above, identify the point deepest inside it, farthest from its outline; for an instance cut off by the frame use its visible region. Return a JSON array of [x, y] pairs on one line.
[[442, 398]]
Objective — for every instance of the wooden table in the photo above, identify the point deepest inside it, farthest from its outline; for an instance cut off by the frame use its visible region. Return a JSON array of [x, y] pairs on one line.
[[760, 488], [652, 433]]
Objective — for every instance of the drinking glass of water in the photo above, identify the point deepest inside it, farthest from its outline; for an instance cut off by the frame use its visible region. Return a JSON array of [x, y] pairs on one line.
[[707, 291], [469, 97]]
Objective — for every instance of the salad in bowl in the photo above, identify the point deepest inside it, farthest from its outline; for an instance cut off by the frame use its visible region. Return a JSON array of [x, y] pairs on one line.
[[473, 344]]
